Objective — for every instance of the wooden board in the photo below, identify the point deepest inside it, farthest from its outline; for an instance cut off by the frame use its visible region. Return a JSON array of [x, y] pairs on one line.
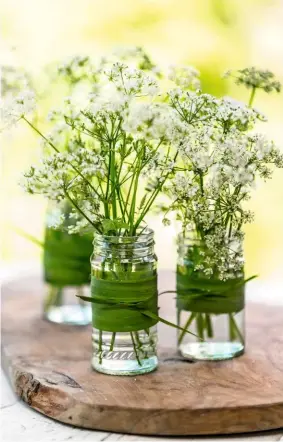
[[49, 367]]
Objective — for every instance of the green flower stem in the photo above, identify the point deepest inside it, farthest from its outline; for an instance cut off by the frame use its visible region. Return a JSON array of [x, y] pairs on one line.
[[252, 96], [79, 210], [133, 204], [106, 210], [135, 349], [140, 345], [113, 184], [208, 326], [129, 192], [138, 339], [51, 298], [236, 328], [121, 201], [59, 297], [187, 325], [153, 196], [204, 326], [179, 317], [200, 326], [100, 346], [232, 333], [151, 341], [112, 341]]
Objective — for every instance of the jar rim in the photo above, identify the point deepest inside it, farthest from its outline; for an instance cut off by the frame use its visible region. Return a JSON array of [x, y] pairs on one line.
[[188, 235], [146, 234], [191, 237]]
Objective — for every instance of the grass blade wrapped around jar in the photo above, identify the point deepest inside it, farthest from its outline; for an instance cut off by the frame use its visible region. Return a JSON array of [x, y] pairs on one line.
[[210, 306], [220, 157], [66, 267]]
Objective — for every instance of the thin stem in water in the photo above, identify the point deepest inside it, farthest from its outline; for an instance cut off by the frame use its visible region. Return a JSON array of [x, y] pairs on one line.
[[135, 349], [112, 341], [188, 323]]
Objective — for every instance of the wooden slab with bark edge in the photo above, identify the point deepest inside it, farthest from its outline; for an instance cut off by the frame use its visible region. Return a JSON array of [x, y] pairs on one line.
[[49, 367]]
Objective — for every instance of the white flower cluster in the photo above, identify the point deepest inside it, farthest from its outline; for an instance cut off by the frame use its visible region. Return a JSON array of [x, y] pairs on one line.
[[254, 78], [15, 108], [124, 135], [131, 81], [186, 77], [219, 160], [136, 57], [147, 120], [13, 80], [103, 146], [76, 69], [225, 255]]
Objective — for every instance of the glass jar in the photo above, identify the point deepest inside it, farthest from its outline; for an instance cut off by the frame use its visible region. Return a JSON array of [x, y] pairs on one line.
[[123, 284], [66, 265], [211, 308]]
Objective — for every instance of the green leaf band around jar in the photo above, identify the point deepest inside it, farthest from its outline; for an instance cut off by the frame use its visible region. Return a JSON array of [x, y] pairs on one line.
[[119, 304], [210, 296], [66, 258]]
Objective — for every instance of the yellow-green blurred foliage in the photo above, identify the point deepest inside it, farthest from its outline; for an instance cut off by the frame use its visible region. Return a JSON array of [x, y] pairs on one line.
[[213, 35]]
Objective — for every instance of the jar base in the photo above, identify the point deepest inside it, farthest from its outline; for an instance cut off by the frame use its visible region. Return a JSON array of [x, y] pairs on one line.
[[124, 368], [69, 315], [211, 351]]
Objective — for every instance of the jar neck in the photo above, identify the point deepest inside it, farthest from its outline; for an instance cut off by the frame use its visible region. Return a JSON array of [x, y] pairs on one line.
[[189, 238], [56, 210], [192, 238], [211, 257], [122, 247]]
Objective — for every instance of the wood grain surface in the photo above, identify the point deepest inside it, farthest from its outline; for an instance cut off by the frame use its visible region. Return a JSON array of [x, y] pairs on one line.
[[49, 367]]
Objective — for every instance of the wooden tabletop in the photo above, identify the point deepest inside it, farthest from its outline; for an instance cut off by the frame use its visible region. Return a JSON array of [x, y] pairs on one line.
[[213, 387]]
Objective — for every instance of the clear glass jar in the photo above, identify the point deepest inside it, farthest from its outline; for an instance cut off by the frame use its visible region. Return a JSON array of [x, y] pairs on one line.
[[123, 283], [210, 308], [66, 265]]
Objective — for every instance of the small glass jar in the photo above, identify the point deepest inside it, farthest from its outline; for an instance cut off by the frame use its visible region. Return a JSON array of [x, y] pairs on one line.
[[66, 265], [211, 308], [123, 284]]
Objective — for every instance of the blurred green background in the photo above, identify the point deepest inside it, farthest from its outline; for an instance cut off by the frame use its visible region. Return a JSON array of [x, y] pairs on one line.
[[213, 35]]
